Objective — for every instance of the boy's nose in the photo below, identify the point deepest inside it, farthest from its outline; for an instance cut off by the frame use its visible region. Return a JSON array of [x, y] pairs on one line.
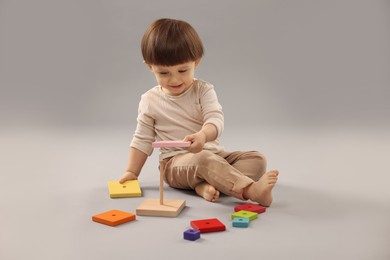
[[174, 80]]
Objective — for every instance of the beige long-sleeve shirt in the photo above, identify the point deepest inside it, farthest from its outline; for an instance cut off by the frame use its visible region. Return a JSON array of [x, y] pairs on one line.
[[163, 117]]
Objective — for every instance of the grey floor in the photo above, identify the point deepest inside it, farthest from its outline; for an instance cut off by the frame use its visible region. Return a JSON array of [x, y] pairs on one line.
[[332, 200]]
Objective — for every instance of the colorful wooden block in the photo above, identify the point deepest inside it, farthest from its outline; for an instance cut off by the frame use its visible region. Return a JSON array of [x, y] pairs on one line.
[[245, 214], [169, 208], [113, 217], [168, 144], [208, 225], [250, 207], [127, 189], [191, 234], [240, 222]]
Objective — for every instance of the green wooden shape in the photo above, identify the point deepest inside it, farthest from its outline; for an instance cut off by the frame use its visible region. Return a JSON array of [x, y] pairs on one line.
[[245, 214]]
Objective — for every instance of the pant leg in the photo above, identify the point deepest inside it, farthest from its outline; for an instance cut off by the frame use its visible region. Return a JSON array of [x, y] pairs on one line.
[[250, 163], [186, 171]]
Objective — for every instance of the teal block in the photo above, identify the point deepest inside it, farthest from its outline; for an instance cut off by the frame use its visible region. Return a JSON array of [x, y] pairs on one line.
[[240, 222], [245, 214]]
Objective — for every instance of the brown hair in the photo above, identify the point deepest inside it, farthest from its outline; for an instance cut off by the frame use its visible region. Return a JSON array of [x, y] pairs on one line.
[[169, 42]]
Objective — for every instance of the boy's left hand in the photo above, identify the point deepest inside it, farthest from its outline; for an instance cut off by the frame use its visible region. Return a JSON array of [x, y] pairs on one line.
[[197, 141]]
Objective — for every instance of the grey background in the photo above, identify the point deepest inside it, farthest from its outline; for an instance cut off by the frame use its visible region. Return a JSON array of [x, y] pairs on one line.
[[298, 62], [305, 82]]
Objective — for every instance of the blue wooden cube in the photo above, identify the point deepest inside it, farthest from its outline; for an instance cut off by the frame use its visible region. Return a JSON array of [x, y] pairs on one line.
[[240, 222], [191, 234]]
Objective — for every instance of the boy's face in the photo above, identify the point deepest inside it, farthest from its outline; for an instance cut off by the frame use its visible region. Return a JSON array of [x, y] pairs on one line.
[[175, 80]]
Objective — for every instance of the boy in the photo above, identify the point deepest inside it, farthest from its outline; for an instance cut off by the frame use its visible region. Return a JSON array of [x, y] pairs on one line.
[[184, 108]]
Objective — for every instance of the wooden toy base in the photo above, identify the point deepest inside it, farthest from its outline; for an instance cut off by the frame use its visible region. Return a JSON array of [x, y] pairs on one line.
[[152, 207]]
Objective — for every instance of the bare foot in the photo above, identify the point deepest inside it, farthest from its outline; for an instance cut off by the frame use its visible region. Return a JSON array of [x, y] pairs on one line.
[[261, 190], [208, 192]]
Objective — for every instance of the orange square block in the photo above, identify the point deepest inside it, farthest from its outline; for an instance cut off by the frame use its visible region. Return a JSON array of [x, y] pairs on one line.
[[113, 217]]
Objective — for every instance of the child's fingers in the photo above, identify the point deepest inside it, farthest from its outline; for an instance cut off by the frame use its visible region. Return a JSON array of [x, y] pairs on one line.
[[122, 180], [129, 176], [188, 138]]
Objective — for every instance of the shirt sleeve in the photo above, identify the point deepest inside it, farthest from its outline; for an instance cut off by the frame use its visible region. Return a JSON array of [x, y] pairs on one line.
[[144, 133], [211, 109]]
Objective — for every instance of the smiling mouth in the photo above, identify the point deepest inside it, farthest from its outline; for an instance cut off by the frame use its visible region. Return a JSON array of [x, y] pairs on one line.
[[177, 86]]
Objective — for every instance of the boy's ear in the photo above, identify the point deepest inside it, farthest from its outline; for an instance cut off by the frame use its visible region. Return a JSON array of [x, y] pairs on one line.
[[149, 66], [197, 62]]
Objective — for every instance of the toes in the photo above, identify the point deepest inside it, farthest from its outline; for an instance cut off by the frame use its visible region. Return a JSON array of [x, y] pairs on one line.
[[273, 173], [211, 194], [216, 196], [273, 179]]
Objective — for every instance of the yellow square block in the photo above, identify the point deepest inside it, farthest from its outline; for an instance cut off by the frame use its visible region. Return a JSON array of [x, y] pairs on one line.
[[126, 189]]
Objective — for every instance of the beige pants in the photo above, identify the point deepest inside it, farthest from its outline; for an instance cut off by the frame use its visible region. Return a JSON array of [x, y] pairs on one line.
[[228, 172]]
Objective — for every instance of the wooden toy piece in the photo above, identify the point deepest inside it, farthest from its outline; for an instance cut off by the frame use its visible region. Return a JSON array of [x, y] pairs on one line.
[[250, 207], [245, 214], [208, 225], [160, 207], [169, 144], [191, 234], [152, 207], [113, 217], [161, 189], [127, 189], [241, 222]]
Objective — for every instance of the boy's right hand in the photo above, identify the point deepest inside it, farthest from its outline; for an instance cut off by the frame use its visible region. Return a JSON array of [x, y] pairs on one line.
[[128, 176]]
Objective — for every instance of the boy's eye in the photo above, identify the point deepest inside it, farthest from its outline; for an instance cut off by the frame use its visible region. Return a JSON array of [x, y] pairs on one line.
[[182, 71], [163, 73]]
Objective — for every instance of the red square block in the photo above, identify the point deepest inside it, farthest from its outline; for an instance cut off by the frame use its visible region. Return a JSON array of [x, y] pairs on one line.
[[208, 225], [113, 217], [250, 207]]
